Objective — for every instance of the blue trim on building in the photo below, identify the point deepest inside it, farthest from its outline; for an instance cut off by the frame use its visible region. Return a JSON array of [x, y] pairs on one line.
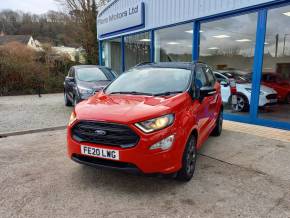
[[152, 46], [100, 53], [196, 41], [123, 54], [258, 62]]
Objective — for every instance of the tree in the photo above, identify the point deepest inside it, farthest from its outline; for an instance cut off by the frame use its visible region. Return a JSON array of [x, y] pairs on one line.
[[85, 15], [56, 28]]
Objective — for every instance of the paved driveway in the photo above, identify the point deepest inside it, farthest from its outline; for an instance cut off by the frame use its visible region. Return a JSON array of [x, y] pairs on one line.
[[27, 112], [238, 175]]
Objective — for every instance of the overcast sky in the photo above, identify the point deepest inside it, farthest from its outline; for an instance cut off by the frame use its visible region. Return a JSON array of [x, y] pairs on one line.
[[33, 6]]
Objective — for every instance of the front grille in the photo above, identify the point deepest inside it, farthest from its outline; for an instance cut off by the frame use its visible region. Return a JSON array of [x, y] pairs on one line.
[[110, 134], [271, 96]]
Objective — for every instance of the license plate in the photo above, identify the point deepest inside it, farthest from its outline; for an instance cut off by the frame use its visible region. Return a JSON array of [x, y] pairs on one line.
[[100, 152], [234, 99]]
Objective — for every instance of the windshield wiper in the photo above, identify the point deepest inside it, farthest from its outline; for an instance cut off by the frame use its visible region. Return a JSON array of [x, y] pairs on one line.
[[168, 93], [132, 93]]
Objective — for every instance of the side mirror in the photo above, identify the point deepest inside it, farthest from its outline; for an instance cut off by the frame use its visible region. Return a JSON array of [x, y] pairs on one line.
[[206, 92], [70, 79], [224, 83]]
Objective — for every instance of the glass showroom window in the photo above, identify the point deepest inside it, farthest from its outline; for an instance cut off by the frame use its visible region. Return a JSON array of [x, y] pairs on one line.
[[228, 46], [174, 43], [137, 49], [112, 54], [276, 66]]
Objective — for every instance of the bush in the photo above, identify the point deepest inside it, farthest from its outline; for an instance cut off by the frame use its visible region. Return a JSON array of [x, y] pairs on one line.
[[25, 71]]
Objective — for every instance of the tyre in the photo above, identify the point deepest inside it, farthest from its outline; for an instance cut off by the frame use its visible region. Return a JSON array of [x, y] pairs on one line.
[[188, 161], [67, 102], [75, 101], [242, 104], [219, 125]]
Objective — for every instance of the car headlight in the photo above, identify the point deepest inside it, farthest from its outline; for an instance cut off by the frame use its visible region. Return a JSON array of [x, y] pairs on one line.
[[73, 118], [156, 123], [85, 91]]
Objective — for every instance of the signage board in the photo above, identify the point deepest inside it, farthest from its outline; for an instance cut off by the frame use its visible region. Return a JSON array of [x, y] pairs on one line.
[[121, 20]]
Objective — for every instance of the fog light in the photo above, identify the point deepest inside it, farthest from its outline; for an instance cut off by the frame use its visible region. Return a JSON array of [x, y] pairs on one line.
[[164, 144]]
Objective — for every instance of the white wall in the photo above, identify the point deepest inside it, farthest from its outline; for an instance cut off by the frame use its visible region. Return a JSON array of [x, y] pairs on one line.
[[165, 12]]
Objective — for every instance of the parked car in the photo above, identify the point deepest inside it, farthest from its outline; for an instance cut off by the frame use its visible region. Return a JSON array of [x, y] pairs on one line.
[[268, 96], [280, 85], [84, 81], [151, 119]]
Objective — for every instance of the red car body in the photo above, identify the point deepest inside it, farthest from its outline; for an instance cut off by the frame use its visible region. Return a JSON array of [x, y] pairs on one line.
[[192, 116], [281, 86]]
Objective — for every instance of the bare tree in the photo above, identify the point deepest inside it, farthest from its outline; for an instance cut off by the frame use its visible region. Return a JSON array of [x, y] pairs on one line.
[[85, 15]]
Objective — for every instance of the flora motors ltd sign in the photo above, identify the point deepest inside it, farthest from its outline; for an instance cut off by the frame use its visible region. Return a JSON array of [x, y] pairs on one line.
[[121, 20]]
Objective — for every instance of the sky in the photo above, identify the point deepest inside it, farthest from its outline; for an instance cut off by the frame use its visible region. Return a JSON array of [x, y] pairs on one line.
[[32, 6]]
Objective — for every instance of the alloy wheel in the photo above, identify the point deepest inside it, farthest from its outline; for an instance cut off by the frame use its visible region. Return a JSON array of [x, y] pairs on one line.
[[240, 104], [191, 158], [221, 119]]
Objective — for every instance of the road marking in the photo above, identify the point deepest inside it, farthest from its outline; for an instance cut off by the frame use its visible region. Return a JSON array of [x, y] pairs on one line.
[[25, 132]]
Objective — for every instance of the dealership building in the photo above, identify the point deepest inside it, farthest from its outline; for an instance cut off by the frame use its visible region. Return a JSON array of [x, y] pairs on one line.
[[250, 38]]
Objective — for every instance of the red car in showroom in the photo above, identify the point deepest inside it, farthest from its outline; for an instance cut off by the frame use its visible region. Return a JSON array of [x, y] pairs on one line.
[[280, 85], [152, 119]]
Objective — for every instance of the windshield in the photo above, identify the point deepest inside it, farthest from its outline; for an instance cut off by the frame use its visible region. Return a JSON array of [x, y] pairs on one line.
[[151, 81], [90, 74]]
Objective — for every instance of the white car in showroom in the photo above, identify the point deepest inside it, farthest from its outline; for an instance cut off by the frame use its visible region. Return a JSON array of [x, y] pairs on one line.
[[268, 96]]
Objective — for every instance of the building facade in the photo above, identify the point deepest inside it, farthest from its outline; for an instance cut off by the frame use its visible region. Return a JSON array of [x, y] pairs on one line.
[[247, 38]]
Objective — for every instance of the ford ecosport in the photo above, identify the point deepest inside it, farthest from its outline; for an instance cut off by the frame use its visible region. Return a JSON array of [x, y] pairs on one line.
[[151, 119]]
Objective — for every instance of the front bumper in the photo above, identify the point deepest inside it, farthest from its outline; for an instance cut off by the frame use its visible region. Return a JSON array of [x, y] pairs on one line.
[[102, 163], [138, 158], [264, 101]]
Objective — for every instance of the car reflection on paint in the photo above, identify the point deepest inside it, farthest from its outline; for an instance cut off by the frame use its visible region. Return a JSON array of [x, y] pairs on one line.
[[268, 96]]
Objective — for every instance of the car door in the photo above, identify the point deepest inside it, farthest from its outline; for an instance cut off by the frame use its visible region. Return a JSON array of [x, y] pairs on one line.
[[213, 99], [202, 111]]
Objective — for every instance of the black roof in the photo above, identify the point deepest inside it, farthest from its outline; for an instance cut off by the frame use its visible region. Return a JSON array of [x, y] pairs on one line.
[[24, 39]]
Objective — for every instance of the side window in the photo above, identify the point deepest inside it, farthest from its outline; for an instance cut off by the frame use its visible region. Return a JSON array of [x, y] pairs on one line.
[[220, 78], [71, 72], [210, 76], [201, 79]]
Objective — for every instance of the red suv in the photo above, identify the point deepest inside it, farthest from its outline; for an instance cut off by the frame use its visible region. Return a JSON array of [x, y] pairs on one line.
[[280, 85], [152, 119]]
